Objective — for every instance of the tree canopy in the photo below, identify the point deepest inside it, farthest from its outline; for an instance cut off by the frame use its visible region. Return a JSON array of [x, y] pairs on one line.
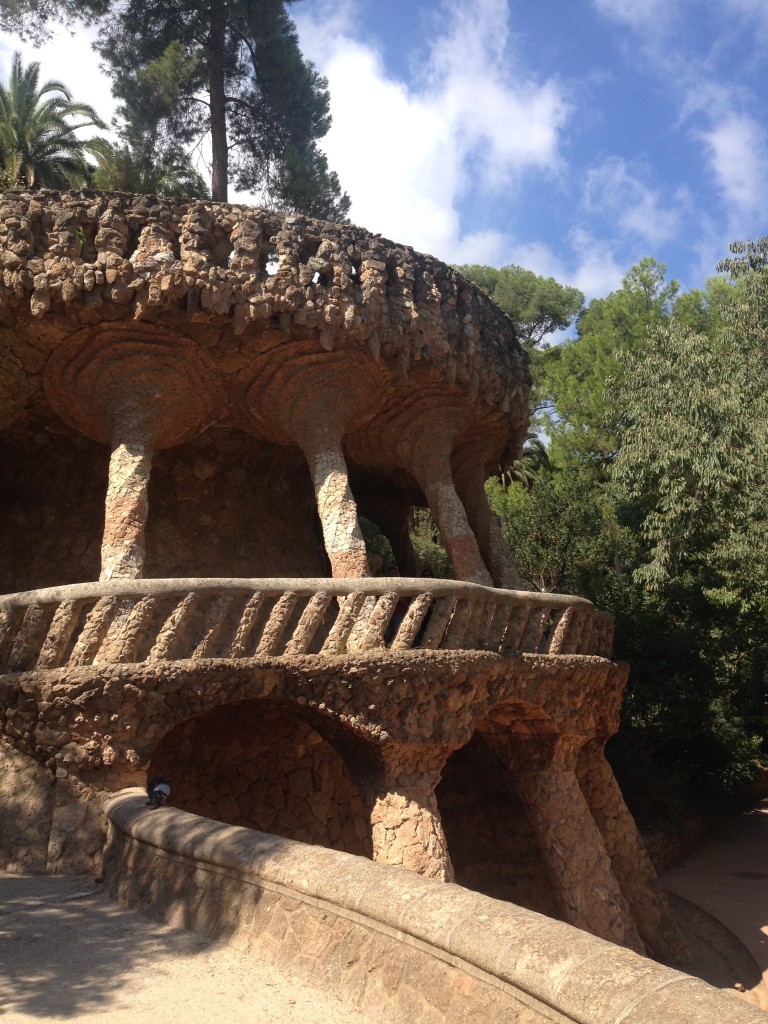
[[229, 68], [538, 306], [39, 145], [573, 375]]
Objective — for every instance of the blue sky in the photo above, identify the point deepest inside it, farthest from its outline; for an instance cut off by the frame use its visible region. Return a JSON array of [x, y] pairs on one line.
[[571, 136]]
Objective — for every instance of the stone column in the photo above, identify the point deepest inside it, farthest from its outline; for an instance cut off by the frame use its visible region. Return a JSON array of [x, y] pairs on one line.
[[629, 858], [542, 771], [336, 506], [470, 483], [126, 508], [405, 823], [436, 481]]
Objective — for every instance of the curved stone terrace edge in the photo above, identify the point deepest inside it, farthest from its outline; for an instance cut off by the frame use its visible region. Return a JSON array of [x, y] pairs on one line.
[[171, 619]]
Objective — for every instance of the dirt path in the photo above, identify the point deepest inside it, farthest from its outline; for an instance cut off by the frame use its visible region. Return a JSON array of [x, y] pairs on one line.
[[724, 885], [67, 953]]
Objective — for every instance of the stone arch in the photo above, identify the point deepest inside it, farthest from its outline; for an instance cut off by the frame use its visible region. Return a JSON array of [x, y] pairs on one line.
[[267, 765], [490, 841]]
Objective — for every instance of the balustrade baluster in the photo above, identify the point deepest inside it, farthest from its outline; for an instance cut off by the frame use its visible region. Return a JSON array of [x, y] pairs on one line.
[[498, 626], [459, 624], [63, 625], [559, 627], [29, 638], [175, 630], [214, 628], [518, 620], [248, 620], [308, 625], [602, 637], [370, 630], [349, 609], [476, 636], [580, 623], [442, 610], [412, 623], [10, 620], [95, 628], [534, 630], [275, 627]]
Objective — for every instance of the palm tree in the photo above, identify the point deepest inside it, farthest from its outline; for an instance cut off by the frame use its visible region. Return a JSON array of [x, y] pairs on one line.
[[38, 143]]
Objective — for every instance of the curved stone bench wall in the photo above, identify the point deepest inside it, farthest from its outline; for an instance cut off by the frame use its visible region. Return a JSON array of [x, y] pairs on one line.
[[398, 946]]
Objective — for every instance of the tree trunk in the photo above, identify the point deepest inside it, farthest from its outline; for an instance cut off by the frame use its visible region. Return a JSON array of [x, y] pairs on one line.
[[218, 106]]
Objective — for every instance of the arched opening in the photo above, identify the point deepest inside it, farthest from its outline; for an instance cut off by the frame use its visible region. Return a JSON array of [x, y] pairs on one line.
[[492, 846], [265, 766]]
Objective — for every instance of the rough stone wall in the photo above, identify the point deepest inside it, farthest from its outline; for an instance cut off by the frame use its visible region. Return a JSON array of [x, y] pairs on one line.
[[262, 767], [26, 799]]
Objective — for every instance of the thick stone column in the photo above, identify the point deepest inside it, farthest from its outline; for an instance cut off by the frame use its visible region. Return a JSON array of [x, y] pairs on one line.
[[435, 480], [542, 771], [470, 483], [336, 506], [631, 863], [126, 509], [405, 823]]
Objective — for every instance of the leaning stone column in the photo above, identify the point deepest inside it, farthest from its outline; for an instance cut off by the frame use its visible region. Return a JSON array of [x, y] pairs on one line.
[[126, 508], [630, 860], [542, 773], [434, 478], [470, 483], [405, 823], [336, 506]]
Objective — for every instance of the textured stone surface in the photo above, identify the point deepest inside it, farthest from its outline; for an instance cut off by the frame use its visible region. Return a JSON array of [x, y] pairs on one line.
[[192, 388], [396, 945], [141, 322]]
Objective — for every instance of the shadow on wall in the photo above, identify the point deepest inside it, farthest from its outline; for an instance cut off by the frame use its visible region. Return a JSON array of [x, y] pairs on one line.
[[260, 765], [492, 847]]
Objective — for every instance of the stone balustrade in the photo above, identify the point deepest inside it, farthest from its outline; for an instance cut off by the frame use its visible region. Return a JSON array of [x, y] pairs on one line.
[[134, 621]]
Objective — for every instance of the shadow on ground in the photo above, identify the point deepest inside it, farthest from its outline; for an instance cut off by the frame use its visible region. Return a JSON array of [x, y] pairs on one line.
[[65, 947]]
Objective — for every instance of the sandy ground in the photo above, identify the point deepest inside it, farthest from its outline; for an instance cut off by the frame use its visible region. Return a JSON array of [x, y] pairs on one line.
[[67, 953], [726, 881]]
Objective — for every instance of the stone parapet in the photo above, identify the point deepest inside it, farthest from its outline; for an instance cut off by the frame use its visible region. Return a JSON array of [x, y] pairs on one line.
[[396, 945], [133, 621]]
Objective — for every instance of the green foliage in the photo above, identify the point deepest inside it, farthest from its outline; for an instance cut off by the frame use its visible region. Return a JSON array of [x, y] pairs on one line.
[[39, 145], [561, 530], [233, 69], [425, 539], [695, 449], [573, 375], [536, 305]]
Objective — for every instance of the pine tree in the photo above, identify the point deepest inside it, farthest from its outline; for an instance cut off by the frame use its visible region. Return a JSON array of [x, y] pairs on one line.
[[231, 68]]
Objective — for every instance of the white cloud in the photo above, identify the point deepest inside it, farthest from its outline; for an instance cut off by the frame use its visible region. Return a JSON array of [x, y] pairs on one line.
[[612, 190], [598, 271], [738, 157], [647, 16], [67, 58], [408, 152]]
